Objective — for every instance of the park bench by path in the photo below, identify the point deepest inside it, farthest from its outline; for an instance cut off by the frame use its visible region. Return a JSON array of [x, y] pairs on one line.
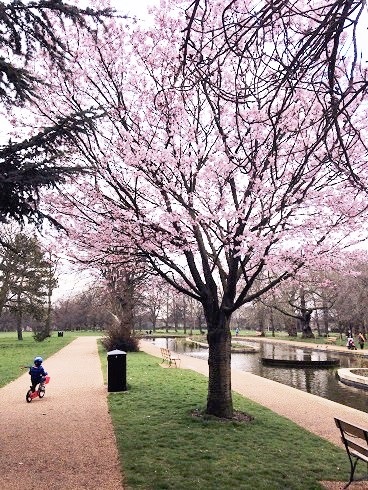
[[355, 440], [170, 357], [331, 340]]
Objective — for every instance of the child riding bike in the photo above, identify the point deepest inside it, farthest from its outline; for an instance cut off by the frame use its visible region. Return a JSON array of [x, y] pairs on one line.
[[37, 373]]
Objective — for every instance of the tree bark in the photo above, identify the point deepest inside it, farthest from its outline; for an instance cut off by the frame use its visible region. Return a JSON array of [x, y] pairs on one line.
[[272, 322], [19, 325], [219, 399], [184, 315], [305, 317], [305, 325], [47, 328], [325, 316], [261, 321]]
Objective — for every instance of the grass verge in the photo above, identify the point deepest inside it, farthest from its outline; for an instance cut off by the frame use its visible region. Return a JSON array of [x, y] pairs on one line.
[[162, 446], [15, 353]]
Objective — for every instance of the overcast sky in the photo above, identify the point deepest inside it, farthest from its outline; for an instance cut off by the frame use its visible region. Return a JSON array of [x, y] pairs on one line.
[[133, 7]]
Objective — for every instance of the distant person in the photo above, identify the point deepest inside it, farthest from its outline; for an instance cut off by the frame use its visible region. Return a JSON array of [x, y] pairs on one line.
[[361, 340], [37, 372], [350, 344], [236, 331]]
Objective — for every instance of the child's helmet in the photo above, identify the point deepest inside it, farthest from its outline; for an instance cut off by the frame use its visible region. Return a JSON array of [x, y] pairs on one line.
[[38, 360]]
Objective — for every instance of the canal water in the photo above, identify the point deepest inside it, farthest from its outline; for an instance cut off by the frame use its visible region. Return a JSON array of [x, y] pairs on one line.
[[320, 382]]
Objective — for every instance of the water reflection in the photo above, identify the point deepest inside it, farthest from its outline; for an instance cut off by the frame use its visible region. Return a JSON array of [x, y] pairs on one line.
[[321, 382]]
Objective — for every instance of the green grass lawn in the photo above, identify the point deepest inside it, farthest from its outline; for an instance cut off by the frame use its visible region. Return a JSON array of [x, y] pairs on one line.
[[15, 353], [315, 340], [162, 446]]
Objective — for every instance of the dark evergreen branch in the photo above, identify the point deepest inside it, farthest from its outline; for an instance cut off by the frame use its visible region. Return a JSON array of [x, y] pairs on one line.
[[29, 165]]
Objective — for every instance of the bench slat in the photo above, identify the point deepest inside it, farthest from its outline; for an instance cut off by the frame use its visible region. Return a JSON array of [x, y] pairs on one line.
[[331, 340], [357, 448], [355, 440], [351, 429], [359, 455]]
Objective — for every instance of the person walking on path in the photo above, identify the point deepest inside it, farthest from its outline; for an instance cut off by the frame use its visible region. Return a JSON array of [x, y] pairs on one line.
[[71, 425], [361, 340]]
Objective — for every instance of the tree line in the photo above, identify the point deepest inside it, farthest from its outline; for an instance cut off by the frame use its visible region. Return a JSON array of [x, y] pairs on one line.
[[335, 302], [27, 281]]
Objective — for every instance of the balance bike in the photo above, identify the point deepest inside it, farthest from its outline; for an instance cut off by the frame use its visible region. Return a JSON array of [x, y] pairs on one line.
[[40, 392]]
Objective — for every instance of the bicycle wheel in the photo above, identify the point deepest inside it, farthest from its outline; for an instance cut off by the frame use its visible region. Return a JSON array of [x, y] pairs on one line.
[[29, 396], [41, 391]]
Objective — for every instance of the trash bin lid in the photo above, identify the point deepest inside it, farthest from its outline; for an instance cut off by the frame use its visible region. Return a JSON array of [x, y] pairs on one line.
[[116, 352]]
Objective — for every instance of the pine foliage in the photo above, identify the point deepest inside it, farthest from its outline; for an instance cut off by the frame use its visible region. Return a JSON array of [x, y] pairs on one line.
[[29, 30]]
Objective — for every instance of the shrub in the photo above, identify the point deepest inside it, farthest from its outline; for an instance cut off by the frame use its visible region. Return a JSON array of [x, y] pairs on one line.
[[116, 340], [40, 335]]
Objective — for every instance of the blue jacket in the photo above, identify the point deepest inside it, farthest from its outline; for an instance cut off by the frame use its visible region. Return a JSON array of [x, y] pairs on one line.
[[37, 373]]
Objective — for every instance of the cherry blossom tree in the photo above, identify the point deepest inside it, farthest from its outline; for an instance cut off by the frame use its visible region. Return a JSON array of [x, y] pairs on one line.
[[306, 42], [122, 287], [231, 144], [154, 304], [301, 299], [350, 308]]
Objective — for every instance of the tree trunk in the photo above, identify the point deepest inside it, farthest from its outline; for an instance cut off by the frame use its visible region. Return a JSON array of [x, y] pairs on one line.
[[3, 293], [317, 324], [167, 315], [176, 314], [292, 329], [305, 317], [19, 326], [305, 325], [199, 321], [184, 316], [127, 318], [191, 317], [325, 316], [272, 322], [261, 322], [47, 329], [219, 399]]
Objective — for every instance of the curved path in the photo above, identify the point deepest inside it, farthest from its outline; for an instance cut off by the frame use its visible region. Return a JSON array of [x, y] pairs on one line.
[[312, 412], [64, 441]]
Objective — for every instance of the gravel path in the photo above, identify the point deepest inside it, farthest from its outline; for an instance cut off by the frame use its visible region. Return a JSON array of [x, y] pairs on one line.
[[64, 441]]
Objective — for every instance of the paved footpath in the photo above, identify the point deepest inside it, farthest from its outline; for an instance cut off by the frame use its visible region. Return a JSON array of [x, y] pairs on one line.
[[64, 441]]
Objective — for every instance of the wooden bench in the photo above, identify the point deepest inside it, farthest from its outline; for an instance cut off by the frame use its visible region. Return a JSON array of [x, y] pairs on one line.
[[331, 340], [355, 440], [170, 358]]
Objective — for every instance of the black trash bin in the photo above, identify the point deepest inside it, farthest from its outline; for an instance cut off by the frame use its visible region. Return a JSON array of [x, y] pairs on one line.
[[116, 370], [60, 334]]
